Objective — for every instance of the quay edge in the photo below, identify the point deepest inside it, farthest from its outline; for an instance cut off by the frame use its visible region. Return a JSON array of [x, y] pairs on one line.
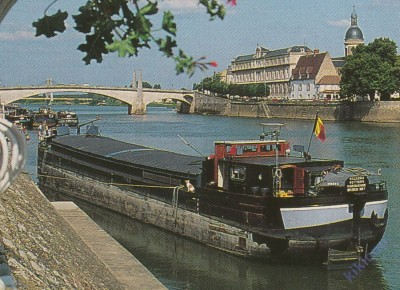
[[378, 111]]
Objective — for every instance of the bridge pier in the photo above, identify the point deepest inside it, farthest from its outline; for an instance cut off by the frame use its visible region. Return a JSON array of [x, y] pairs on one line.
[[138, 107]]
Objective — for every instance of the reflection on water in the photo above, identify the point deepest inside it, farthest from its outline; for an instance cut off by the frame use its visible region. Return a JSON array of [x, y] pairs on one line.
[[182, 264]]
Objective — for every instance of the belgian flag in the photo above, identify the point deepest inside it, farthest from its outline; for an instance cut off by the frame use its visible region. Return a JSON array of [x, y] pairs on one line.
[[319, 129]]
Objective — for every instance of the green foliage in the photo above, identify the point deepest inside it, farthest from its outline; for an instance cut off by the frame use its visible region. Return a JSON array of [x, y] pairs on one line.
[[147, 85], [49, 24], [372, 68], [168, 23], [215, 85], [125, 27]]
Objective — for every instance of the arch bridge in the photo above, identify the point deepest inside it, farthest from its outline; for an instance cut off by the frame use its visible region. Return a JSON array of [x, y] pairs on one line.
[[136, 98]]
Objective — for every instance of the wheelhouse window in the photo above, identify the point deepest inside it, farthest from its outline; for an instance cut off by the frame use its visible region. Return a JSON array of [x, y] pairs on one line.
[[238, 173], [250, 148], [269, 147]]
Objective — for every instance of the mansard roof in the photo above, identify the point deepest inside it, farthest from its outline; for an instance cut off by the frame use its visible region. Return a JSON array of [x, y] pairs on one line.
[[308, 66], [266, 53], [241, 58]]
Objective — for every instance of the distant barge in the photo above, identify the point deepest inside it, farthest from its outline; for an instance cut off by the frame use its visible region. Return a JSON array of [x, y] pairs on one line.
[[251, 198]]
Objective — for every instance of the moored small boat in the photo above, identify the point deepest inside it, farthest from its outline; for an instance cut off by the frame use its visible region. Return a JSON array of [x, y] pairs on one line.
[[20, 116], [67, 118], [45, 117]]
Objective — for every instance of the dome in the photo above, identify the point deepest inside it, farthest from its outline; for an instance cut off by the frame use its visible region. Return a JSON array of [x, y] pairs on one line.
[[354, 33]]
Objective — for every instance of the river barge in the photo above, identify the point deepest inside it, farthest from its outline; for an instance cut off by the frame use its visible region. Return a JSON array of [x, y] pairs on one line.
[[19, 116], [67, 118], [45, 117], [253, 198]]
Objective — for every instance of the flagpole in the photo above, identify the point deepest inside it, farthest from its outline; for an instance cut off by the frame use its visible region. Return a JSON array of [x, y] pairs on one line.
[[312, 133]]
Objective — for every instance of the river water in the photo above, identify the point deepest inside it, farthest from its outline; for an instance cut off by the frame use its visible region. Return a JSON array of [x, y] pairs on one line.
[[184, 264]]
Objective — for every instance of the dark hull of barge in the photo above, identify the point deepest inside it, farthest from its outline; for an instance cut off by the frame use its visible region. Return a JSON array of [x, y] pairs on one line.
[[142, 183]]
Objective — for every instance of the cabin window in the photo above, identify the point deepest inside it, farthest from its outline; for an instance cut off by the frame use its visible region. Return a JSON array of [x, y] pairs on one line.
[[238, 173], [250, 148], [265, 148], [269, 147]]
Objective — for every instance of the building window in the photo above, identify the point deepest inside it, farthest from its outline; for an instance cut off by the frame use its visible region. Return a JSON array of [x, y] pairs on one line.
[[300, 87], [292, 88], [308, 87]]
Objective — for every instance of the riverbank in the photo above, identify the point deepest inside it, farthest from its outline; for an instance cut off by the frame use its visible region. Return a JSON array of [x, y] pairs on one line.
[[40, 250], [379, 112]]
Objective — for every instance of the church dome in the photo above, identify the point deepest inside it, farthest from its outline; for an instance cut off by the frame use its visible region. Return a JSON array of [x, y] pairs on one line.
[[354, 33]]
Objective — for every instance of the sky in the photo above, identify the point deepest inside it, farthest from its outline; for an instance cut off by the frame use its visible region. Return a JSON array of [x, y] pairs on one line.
[[274, 24]]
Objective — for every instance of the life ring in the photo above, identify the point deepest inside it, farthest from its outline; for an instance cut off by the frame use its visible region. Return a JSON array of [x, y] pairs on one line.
[[278, 173]]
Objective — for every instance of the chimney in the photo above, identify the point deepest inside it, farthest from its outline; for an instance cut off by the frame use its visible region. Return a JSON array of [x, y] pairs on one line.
[[316, 51]]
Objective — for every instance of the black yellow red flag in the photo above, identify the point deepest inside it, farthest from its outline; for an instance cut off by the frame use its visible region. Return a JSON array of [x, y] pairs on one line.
[[319, 129]]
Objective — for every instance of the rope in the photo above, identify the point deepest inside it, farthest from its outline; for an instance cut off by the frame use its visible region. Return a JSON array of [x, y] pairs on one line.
[[112, 183], [13, 153]]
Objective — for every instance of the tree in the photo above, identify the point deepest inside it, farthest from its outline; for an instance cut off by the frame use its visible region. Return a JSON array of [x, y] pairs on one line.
[[146, 85], [215, 85], [249, 90], [372, 68], [126, 27]]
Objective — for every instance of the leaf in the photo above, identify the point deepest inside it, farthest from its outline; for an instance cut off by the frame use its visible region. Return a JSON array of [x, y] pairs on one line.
[[149, 9], [214, 9], [49, 24], [168, 23], [142, 25], [166, 45], [86, 19], [123, 47], [94, 48]]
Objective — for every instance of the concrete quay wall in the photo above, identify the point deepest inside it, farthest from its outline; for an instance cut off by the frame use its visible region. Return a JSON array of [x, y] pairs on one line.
[[327, 111], [42, 247], [209, 105], [39, 250], [384, 111]]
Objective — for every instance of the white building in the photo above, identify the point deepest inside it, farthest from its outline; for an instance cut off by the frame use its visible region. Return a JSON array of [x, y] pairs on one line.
[[272, 67], [314, 77]]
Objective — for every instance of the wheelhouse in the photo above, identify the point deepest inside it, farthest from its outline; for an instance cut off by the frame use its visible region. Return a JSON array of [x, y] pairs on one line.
[[266, 168]]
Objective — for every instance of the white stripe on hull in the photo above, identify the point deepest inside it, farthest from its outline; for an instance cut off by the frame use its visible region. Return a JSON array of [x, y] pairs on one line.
[[315, 216], [378, 207]]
